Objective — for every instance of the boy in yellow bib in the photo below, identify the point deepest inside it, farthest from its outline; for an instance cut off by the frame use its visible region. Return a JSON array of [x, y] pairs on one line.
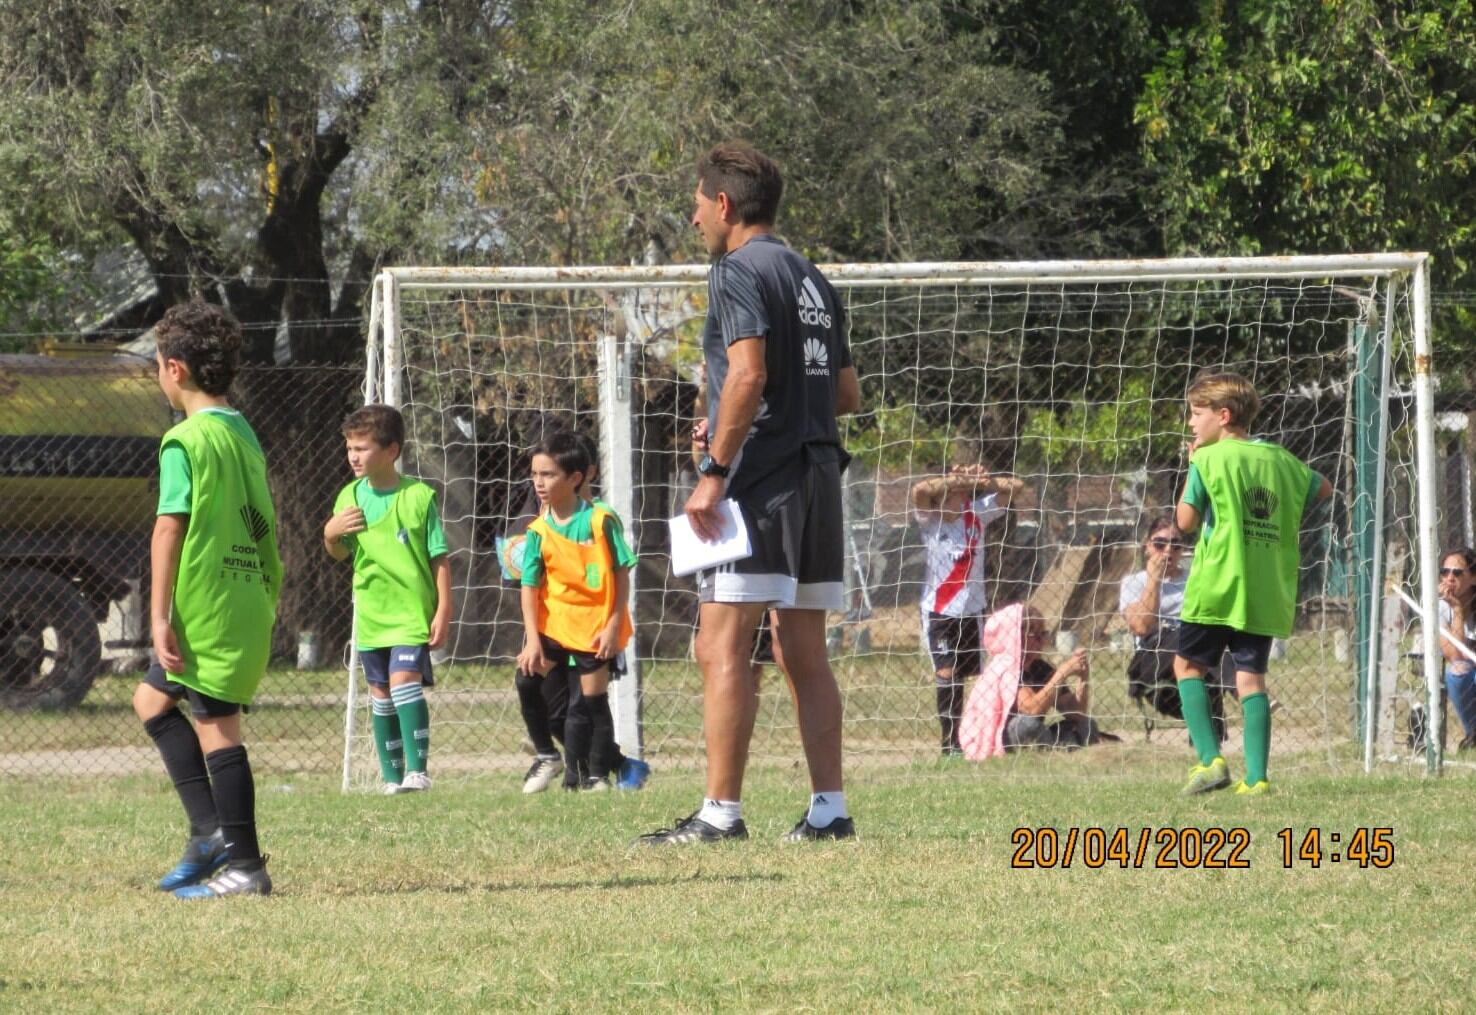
[[402, 589], [575, 599]]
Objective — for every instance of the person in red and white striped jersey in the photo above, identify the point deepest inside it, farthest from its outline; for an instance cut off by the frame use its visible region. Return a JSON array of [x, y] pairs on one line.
[[953, 512]]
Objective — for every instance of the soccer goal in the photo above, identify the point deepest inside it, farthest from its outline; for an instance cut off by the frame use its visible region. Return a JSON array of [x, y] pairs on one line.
[[1068, 375]]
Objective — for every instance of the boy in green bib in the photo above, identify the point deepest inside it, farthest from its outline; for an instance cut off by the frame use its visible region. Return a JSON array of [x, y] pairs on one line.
[[1250, 496], [216, 576], [402, 589]]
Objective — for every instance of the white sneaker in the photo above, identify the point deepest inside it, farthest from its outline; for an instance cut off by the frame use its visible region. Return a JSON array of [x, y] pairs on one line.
[[542, 773], [415, 781], [391, 789]]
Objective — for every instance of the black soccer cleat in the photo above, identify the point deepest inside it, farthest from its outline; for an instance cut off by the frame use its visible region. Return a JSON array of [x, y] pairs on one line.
[[231, 880], [692, 829], [840, 828]]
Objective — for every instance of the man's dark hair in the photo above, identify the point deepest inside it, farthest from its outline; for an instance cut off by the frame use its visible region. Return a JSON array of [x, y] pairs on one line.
[[206, 339], [567, 449], [382, 424], [749, 177]]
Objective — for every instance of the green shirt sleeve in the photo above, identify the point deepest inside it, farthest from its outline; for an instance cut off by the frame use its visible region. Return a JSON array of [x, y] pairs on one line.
[[532, 559], [1195, 495], [435, 536], [1314, 484], [174, 480], [620, 550]]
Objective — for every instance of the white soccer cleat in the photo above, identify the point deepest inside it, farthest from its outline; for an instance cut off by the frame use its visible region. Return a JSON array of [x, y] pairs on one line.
[[415, 781], [542, 773]]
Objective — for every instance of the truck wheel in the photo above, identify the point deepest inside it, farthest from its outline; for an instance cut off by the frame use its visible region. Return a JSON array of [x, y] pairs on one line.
[[49, 647]]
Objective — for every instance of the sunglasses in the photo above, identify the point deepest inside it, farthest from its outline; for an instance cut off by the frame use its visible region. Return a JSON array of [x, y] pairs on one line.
[[1164, 544], [1452, 572]]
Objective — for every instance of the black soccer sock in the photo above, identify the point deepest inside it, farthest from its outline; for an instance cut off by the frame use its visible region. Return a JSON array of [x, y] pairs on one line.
[[578, 732], [235, 800], [950, 709], [534, 706], [556, 699], [602, 734], [180, 749], [615, 758]]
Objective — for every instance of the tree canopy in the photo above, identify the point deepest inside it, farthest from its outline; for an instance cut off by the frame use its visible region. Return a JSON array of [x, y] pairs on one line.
[[270, 156]]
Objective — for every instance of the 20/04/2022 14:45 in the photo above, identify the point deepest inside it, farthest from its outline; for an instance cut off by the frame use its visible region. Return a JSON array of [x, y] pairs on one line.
[[1365, 847]]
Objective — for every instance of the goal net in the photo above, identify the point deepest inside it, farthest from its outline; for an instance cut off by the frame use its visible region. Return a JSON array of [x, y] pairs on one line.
[[1069, 376]]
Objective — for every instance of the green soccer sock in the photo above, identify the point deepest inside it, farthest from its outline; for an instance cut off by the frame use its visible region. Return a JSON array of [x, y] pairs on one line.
[[387, 743], [1195, 701], [414, 724], [1257, 711]]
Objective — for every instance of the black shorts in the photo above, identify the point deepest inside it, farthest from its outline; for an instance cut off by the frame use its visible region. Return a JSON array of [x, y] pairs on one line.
[[580, 662], [954, 644], [796, 527], [1203, 644], [202, 706], [379, 663]]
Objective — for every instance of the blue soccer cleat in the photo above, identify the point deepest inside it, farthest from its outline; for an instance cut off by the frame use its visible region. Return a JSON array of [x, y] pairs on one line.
[[203, 856], [633, 774]]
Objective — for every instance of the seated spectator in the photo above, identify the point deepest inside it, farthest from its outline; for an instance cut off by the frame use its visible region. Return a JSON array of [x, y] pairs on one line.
[[1014, 697], [1150, 602], [1458, 618]]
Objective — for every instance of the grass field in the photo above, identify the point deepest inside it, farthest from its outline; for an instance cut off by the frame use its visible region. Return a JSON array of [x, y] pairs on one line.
[[474, 897], [296, 724]]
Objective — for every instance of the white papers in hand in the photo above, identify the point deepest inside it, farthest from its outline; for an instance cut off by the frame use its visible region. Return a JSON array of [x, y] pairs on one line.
[[690, 553]]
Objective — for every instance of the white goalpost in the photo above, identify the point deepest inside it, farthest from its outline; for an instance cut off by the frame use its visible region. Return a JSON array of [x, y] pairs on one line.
[[1069, 375]]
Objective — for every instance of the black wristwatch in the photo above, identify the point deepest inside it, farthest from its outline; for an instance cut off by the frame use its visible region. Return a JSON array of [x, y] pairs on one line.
[[708, 466]]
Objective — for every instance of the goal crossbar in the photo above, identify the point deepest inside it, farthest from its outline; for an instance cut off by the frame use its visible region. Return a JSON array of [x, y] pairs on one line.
[[940, 273]]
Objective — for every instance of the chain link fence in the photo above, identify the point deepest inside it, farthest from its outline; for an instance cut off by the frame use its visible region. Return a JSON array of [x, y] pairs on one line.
[[79, 484], [78, 490]]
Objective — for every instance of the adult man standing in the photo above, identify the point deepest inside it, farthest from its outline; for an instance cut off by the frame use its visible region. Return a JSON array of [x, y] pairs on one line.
[[778, 371]]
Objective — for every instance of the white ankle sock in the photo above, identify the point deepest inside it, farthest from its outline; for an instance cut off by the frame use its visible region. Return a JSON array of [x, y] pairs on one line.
[[722, 814], [826, 807]]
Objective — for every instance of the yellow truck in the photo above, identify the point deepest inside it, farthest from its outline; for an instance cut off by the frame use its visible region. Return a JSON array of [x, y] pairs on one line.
[[79, 440]]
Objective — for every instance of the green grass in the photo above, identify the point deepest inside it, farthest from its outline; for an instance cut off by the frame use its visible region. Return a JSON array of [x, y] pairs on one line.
[[474, 898], [296, 724]]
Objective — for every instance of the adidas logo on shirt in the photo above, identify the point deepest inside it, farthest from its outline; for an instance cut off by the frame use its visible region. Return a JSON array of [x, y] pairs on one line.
[[817, 358], [811, 306]]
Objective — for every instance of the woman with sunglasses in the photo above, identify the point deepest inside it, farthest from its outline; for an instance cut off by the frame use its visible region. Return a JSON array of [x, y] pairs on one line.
[[1458, 616], [1150, 601]]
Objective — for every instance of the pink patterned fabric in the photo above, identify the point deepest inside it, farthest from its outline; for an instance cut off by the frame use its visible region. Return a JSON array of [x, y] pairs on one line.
[[981, 730]]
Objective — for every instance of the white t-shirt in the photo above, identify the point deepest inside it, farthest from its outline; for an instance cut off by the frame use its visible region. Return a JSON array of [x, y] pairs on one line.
[[1444, 611], [953, 580], [1170, 594]]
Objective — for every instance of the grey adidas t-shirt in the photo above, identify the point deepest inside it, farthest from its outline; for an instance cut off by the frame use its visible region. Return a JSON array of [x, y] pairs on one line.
[[765, 290]]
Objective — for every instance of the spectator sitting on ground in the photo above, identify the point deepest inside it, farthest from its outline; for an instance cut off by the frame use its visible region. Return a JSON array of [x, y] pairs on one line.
[[1011, 701], [1150, 602]]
